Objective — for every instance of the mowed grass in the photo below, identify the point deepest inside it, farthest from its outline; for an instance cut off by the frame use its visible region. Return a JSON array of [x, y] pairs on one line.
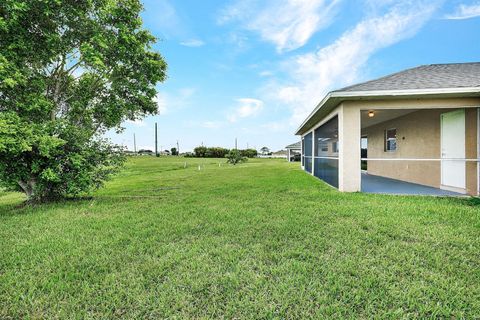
[[258, 240]]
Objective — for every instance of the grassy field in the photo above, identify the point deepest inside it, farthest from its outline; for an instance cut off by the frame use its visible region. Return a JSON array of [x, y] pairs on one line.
[[259, 240]]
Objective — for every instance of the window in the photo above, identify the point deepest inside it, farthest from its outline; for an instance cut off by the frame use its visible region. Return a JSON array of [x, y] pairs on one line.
[[390, 140], [335, 147], [323, 146]]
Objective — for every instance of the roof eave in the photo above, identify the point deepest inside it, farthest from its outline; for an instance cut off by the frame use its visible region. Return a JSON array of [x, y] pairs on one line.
[[334, 98]]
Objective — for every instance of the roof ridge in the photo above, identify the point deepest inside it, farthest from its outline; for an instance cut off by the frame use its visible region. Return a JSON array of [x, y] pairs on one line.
[[450, 63], [376, 79], [403, 71]]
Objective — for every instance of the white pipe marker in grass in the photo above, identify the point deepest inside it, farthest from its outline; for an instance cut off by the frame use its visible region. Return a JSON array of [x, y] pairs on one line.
[[185, 165], [199, 168]]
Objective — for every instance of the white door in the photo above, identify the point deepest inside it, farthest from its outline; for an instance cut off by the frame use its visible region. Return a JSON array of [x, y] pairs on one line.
[[453, 147]]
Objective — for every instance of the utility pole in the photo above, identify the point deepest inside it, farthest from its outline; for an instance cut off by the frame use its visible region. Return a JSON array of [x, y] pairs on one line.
[[178, 149], [247, 145], [156, 141], [235, 143], [134, 144]]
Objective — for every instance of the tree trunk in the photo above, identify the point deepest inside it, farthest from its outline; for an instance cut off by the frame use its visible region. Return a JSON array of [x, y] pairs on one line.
[[28, 188]]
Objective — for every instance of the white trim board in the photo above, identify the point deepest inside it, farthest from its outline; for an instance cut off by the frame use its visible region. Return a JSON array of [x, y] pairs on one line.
[[420, 159]]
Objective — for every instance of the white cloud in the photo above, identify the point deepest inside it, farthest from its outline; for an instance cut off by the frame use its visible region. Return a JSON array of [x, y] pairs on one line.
[[168, 101], [465, 12], [288, 24], [161, 103], [276, 126], [161, 16], [312, 75], [138, 122], [192, 43], [247, 107], [211, 124], [265, 73]]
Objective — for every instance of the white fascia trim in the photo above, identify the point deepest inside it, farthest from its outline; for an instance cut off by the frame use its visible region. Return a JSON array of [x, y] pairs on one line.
[[325, 99], [386, 93]]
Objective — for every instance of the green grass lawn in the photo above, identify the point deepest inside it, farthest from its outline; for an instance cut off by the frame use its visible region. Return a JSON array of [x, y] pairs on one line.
[[259, 240]]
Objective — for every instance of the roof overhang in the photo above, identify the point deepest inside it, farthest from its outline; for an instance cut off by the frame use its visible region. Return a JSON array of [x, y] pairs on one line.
[[296, 145], [334, 98]]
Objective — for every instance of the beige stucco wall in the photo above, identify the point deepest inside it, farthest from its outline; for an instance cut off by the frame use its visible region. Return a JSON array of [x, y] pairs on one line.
[[350, 135], [418, 136], [471, 150]]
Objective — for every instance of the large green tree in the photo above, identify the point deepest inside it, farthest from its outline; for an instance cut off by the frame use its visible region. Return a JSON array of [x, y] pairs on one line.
[[69, 71]]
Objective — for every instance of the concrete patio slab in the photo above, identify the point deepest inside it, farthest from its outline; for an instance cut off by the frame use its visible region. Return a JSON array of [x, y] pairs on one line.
[[377, 184]]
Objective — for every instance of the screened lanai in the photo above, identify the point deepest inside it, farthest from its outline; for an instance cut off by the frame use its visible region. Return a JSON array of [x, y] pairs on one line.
[[421, 126], [321, 152], [415, 151]]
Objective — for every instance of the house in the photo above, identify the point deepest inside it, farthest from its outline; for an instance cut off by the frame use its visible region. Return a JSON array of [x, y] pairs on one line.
[[279, 154], [420, 129], [293, 150]]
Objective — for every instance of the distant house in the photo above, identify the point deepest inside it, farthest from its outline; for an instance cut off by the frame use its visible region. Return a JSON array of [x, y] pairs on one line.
[[145, 152], [165, 153], [279, 154], [293, 150], [420, 129]]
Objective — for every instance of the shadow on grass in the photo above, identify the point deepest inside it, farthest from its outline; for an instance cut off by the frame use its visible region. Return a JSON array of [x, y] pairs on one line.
[[472, 201], [27, 207]]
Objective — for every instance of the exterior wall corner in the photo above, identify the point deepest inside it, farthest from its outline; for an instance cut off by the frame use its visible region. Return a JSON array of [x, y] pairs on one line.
[[349, 156]]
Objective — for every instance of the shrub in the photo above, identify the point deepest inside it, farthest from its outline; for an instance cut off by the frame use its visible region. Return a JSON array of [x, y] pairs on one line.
[[211, 152], [235, 156], [249, 153]]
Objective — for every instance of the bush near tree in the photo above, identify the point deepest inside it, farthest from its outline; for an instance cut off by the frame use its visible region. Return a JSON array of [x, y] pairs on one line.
[[219, 152], [210, 152], [200, 152], [235, 157], [249, 153], [216, 152], [70, 71]]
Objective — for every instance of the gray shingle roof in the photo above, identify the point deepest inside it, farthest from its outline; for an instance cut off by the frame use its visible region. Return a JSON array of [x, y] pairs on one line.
[[429, 81], [434, 76], [296, 145]]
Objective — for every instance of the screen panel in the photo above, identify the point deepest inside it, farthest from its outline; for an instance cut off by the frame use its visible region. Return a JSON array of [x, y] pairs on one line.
[[327, 170], [308, 145], [307, 149], [308, 164], [326, 151]]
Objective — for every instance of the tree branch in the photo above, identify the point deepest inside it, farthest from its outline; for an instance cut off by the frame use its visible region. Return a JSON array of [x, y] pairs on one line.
[[56, 92], [74, 67]]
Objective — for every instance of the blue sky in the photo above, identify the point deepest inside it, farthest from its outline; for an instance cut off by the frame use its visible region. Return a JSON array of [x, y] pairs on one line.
[[254, 69]]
